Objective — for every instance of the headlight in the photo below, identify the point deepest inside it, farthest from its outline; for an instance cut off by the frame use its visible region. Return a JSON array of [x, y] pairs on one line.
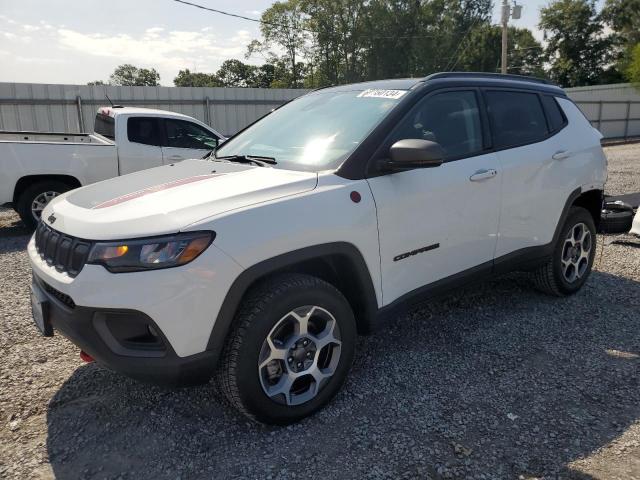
[[150, 253]]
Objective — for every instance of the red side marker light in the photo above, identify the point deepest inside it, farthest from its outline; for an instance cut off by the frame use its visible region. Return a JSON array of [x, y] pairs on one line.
[[86, 357], [355, 197]]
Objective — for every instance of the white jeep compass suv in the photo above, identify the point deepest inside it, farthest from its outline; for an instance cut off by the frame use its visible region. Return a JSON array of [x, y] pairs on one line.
[[259, 265]]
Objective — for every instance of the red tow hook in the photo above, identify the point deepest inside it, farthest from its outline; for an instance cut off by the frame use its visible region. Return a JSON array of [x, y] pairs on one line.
[[86, 357]]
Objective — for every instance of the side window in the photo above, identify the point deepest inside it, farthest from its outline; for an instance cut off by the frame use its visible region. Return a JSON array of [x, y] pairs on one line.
[[554, 113], [451, 119], [144, 130], [516, 117], [182, 134]]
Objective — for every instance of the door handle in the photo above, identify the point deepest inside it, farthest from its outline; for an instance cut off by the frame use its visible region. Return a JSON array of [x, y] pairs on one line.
[[561, 155], [483, 174]]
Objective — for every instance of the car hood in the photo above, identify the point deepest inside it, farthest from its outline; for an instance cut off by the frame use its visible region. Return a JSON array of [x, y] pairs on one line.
[[166, 199]]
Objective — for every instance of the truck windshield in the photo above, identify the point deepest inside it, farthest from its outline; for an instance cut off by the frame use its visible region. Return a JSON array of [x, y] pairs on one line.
[[316, 131], [105, 126]]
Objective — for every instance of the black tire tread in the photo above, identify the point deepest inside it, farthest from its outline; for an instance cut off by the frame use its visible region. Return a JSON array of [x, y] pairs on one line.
[[545, 281], [544, 278], [254, 303]]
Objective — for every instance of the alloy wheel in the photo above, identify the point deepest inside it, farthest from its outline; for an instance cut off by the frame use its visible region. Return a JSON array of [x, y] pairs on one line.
[[576, 252], [41, 201], [299, 355]]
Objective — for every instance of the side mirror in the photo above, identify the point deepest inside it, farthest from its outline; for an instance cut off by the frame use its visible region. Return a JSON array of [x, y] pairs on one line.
[[414, 153]]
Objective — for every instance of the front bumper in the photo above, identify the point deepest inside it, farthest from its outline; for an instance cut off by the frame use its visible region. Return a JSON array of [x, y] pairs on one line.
[[153, 326], [122, 340]]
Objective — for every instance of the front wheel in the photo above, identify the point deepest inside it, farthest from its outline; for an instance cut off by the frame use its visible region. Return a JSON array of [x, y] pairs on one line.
[[290, 350], [570, 264]]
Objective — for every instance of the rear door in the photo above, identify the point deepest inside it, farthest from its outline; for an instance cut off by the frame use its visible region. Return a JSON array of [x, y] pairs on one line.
[[139, 145], [537, 177], [186, 139], [437, 222]]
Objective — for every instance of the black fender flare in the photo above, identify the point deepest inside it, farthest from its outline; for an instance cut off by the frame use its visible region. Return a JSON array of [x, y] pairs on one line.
[[285, 261]]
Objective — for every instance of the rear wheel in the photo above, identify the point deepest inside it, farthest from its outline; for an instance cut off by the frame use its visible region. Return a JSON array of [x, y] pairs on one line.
[[572, 259], [35, 198], [290, 350]]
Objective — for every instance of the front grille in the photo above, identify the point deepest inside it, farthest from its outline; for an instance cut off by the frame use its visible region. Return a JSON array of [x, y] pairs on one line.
[[65, 253], [62, 297]]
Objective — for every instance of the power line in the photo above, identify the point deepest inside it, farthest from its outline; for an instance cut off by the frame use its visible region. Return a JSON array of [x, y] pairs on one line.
[[473, 24], [242, 17], [282, 25]]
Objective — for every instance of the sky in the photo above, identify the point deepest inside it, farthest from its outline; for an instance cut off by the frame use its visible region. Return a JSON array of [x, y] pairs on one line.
[[77, 41]]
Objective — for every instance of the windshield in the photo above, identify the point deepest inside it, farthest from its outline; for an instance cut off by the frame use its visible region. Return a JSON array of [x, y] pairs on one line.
[[314, 132]]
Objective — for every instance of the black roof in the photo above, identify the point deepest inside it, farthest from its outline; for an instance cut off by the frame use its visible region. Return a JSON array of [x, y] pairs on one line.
[[493, 76], [456, 78], [390, 84]]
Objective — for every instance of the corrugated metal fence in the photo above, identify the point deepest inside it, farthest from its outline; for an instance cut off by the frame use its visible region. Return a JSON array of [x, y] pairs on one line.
[[72, 108], [613, 109]]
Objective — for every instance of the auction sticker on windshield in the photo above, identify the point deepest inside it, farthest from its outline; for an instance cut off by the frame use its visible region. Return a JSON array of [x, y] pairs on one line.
[[382, 93]]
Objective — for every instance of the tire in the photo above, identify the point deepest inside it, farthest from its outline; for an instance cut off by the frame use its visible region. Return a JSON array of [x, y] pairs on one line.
[[31, 193], [267, 311], [616, 217], [553, 277]]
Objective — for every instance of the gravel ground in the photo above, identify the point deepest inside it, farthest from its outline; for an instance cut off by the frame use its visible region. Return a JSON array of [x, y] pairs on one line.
[[494, 381]]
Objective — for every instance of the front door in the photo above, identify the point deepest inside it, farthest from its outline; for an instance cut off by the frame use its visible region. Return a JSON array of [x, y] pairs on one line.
[[440, 221], [186, 140]]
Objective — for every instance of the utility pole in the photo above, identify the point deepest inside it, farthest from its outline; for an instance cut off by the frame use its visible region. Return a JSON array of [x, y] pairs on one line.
[[506, 13]]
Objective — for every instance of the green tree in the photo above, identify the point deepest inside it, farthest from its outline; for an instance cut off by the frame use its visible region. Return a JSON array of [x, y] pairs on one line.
[[633, 69], [623, 18], [484, 45], [96, 82], [234, 73], [130, 75], [577, 48], [186, 78], [283, 26], [264, 76]]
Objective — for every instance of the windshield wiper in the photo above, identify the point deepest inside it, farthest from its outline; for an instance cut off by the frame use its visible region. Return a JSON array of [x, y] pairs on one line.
[[254, 159]]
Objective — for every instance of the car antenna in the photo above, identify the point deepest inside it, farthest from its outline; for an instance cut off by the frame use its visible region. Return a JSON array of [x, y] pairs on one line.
[[111, 102]]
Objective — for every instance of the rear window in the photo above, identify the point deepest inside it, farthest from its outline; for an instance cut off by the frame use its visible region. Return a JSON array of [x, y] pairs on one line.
[[517, 118], [554, 113], [105, 126], [145, 130]]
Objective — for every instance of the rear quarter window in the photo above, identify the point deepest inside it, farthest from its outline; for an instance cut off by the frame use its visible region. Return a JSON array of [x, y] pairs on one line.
[[555, 115], [105, 126], [516, 118]]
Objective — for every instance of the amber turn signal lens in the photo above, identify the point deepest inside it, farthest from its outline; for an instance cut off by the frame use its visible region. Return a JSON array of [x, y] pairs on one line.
[[195, 248], [115, 252]]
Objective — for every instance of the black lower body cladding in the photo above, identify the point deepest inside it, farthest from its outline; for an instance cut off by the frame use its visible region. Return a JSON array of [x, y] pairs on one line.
[[126, 341]]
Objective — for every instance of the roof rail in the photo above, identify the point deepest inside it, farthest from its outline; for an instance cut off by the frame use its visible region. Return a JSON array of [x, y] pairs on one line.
[[497, 76]]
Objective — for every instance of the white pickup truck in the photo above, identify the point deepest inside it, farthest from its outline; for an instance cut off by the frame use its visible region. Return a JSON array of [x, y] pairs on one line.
[[36, 167]]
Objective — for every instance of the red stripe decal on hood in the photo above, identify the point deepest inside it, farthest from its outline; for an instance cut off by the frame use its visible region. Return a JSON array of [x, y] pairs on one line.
[[154, 189]]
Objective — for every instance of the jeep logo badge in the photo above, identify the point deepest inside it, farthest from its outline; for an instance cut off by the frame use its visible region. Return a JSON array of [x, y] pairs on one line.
[[51, 218]]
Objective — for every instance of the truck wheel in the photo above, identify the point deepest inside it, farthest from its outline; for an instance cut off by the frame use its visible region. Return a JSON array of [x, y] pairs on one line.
[[290, 349], [570, 264], [35, 197]]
